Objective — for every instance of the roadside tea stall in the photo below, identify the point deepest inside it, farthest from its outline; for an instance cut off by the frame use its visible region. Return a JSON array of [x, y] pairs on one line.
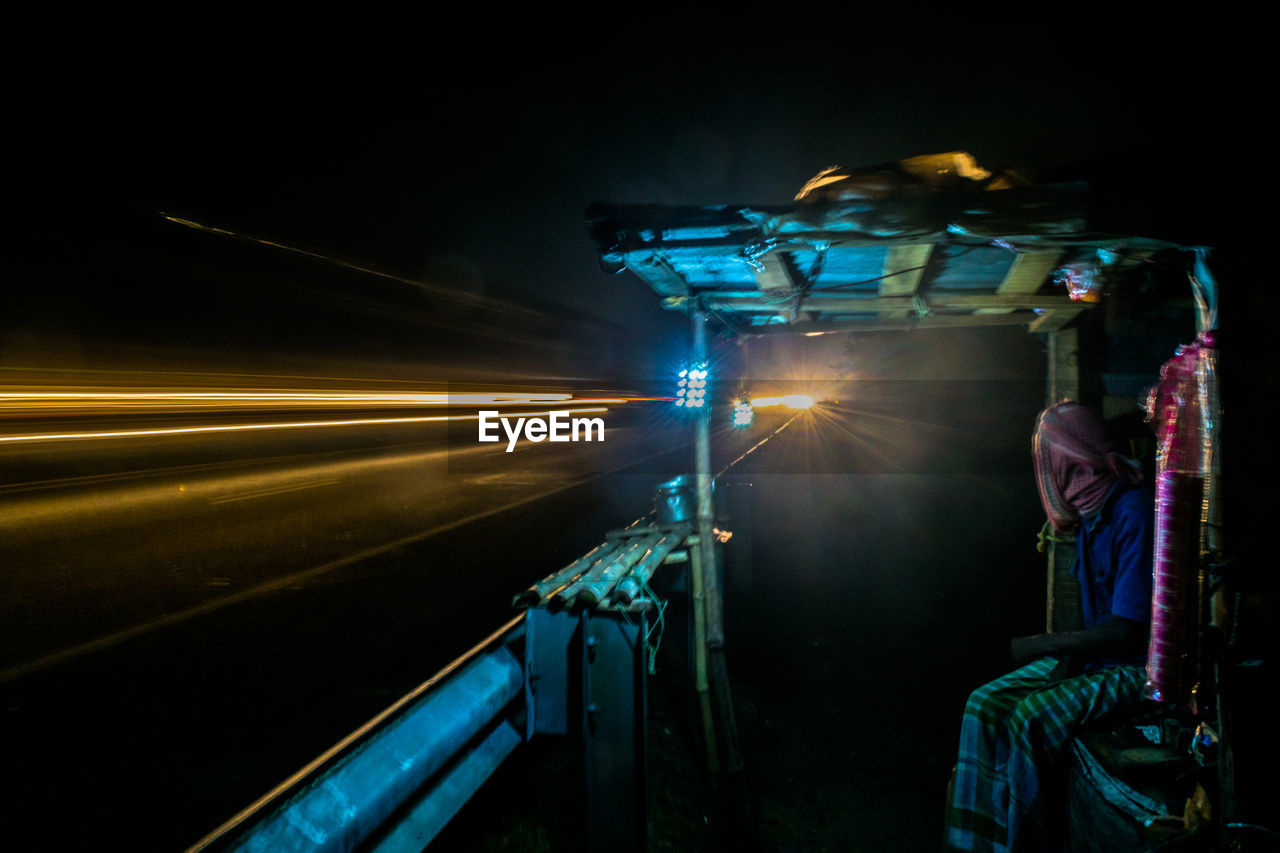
[[940, 242]]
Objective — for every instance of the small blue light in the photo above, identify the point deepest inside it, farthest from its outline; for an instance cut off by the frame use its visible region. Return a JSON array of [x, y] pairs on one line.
[[692, 384]]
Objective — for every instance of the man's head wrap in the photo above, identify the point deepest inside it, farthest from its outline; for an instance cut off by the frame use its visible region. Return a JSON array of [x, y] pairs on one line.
[[1076, 464]]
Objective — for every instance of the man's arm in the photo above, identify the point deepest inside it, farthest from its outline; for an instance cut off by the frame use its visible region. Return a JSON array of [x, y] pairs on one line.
[[1116, 637]]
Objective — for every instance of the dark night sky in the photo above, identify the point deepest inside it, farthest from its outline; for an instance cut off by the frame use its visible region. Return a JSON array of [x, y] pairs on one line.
[[463, 150], [466, 156]]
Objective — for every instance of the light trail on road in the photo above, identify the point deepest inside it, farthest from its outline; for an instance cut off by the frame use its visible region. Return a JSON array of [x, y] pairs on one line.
[[75, 401], [228, 428]]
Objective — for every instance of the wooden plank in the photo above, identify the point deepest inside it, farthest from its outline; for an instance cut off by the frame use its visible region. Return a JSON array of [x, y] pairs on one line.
[[656, 271], [903, 269], [776, 275], [932, 321], [1058, 318], [776, 283], [1000, 304], [1028, 273]]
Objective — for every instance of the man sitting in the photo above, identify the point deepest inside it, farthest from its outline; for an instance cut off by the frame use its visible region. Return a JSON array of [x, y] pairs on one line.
[[1016, 728]]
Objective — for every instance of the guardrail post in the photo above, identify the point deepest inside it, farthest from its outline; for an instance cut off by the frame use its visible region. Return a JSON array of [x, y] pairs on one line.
[[586, 677], [614, 730]]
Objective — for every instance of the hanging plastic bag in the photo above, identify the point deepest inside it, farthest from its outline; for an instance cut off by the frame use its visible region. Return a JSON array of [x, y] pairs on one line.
[[1081, 280], [1173, 409]]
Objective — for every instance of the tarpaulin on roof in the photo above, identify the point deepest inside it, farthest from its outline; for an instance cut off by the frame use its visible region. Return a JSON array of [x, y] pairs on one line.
[[931, 194], [935, 240]]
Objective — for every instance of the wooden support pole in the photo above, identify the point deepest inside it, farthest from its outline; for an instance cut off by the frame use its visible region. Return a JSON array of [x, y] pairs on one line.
[[703, 485], [1215, 607], [1062, 599], [700, 683], [713, 598]]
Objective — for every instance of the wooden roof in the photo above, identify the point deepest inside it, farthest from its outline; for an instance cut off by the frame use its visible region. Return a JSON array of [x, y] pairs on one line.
[[877, 248]]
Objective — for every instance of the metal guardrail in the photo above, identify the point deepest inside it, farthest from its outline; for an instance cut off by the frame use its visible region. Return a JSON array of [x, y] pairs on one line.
[[573, 664], [395, 782]]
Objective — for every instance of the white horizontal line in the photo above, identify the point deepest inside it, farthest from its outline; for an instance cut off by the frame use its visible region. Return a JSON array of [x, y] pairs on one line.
[[277, 490], [137, 433]]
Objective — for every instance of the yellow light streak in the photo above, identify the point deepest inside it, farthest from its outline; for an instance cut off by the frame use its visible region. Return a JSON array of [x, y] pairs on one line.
[[197, 430], [272, 396], [14, 399], [791, 401]]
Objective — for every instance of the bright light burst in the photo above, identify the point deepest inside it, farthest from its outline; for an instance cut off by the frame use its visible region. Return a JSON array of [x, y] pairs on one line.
[[791, 401]]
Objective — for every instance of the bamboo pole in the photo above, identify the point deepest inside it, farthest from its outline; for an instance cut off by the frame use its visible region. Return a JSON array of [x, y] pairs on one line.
[[590, 591], [638, 578], [1062, 599], [713, 602], [706, 507], [1215, 612], [700, 683], [561, 579]]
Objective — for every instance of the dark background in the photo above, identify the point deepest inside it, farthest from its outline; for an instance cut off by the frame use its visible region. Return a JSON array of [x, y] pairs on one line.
[[461, 152]]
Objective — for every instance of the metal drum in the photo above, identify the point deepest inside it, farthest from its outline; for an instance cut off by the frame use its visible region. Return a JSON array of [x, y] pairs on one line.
[[673, 500]]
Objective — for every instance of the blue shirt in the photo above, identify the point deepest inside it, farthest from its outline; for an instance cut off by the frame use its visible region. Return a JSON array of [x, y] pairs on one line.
[[1115, 557]]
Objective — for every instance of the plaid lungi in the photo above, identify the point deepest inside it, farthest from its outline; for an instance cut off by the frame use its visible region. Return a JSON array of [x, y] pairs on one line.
[[1015, 729]]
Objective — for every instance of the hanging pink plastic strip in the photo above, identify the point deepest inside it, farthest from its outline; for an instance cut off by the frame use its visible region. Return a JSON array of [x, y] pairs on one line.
[[1173, 408]]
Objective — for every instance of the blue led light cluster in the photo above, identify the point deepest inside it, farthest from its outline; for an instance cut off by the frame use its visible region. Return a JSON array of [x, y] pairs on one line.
[[742, 413], [691, 392]]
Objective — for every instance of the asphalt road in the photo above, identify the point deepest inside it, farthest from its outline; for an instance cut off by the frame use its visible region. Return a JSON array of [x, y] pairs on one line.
[[109, 556], [187, 618]]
